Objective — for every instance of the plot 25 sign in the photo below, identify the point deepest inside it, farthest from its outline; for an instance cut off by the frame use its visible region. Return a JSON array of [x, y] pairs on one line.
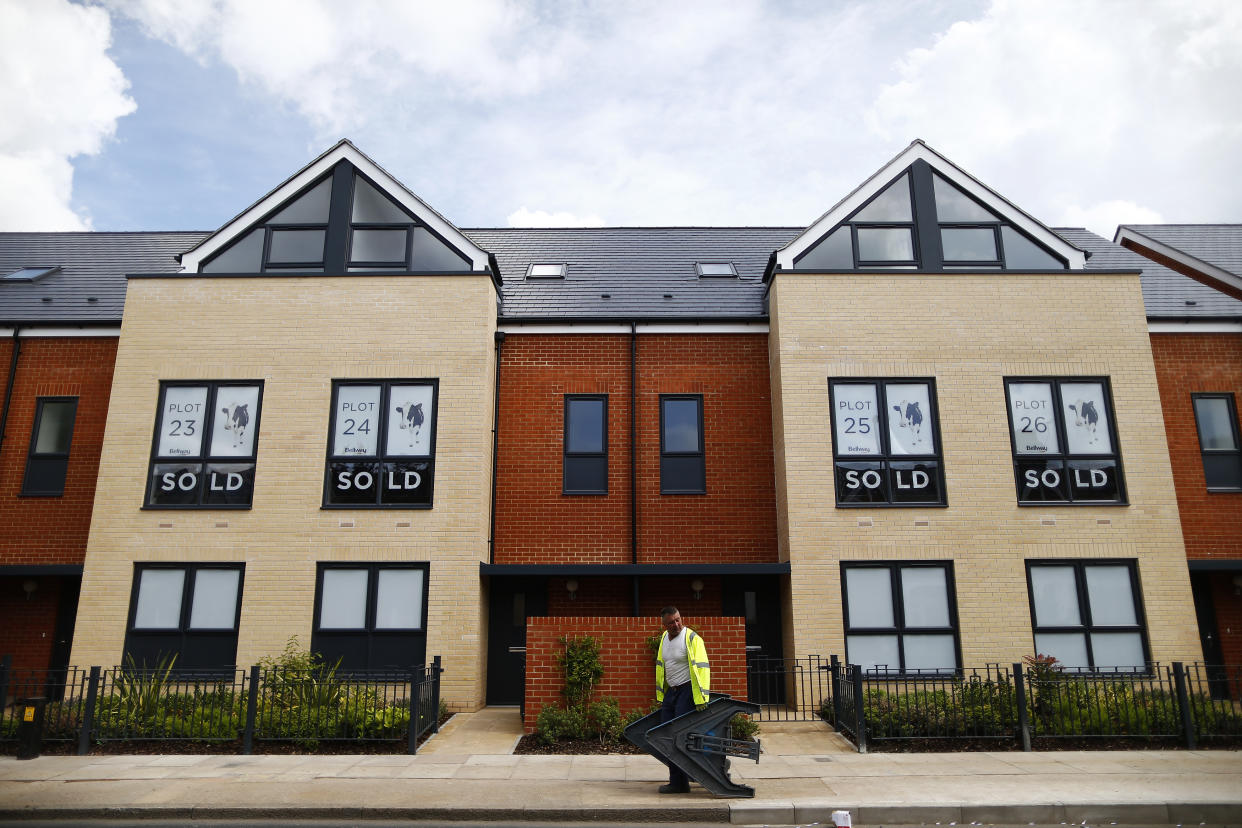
[[1064, 440], [206, 435], [381, 446]]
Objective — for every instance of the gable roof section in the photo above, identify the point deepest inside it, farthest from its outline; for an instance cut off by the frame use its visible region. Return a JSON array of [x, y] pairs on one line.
[[1208, 253], [344, 150], [786, 256]]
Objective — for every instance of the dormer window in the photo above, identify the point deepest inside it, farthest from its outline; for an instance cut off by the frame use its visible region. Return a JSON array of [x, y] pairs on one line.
[[715, 269], [546, 271]]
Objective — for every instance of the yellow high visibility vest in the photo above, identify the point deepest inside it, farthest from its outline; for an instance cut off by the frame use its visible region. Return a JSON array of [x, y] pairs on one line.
[[700, 668]]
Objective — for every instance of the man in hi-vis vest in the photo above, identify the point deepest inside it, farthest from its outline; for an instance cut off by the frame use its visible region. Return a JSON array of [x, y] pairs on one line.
[[682, 676]]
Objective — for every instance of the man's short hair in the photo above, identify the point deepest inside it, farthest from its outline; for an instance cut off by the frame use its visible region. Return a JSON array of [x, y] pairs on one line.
[[669, 610]]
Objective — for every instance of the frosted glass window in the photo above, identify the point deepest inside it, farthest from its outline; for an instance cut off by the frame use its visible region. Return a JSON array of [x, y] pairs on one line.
[[159, 599], [399, 599], [1056, 597], [893, 204], [1110, 596], [309, 208], [370, 206], [885, 244], [55, 426], [1023, 254], [872, 651], [343, 605], [926, 595], [968, 244], [1117, 650], [954, 205], [378, 246], [1068, 648], [244, 256], [215, 599], [296, 246], [870, 596], [1216, 428], [930, 652]]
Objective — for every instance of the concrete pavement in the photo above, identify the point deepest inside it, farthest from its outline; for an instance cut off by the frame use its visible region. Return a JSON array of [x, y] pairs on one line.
[[468, 772]]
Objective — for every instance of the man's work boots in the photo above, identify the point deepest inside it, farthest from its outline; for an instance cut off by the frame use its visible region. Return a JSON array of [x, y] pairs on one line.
[[670, 788]]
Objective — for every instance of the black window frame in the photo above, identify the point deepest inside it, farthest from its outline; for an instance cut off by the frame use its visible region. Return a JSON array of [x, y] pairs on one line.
[[146, 645], [383, 455], [204, 458], [1063, 456], [39, 464], [599, 457], [900, 628], [670, 460], [1205, 453], [886, 457], [354, 645], [1086, 627]]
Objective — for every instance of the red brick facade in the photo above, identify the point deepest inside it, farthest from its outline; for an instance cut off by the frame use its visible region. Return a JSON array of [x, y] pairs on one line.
[[735, 522], [629, 674]]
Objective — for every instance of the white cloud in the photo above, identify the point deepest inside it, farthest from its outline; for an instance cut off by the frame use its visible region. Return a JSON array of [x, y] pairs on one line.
[[1104, 217], [525, 217], [61, 97]]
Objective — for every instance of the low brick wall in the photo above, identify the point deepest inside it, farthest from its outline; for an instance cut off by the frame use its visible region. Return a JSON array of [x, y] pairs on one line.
[[629, 674]]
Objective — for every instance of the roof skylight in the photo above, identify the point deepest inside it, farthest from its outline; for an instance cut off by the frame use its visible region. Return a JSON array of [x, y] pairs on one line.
[[709, 269], [546, 271], [30, 274]]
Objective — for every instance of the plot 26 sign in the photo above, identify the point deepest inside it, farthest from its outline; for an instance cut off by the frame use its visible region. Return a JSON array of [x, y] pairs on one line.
[[382, 444], [205, 443], [1064, 441]]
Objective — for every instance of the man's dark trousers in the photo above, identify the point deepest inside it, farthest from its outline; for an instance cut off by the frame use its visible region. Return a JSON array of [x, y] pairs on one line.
[[677, 700]]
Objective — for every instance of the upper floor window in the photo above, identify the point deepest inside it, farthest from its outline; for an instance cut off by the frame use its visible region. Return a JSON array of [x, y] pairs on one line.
[[1086, 614], [206, 436], [886, 442], [682, 467], [188, 612], [586, 444], [1064, 440], [900, 617], [47, 462], [381, 444], [1216, 419]]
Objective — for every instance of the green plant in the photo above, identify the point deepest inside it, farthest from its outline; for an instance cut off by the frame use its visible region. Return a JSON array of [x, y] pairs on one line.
[[743, 727], [137, 690], [583, 668]]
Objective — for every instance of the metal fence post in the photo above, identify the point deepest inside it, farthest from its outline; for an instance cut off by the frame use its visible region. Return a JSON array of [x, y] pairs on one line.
[[436, 670], [6, 666], [418, 677], [1183, 701], [252, 710], [1024, 722], [88, 715], [834, 687], [860, 714]]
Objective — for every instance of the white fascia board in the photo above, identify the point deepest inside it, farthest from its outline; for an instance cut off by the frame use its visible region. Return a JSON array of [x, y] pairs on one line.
[[643, 328], [192, 260], [1154, 327], [917, 150], [1212, 272], [96, 331]]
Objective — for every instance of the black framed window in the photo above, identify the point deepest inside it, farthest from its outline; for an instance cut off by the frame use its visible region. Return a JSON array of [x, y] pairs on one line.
[[901, 617], [682, 466], [1216, 420], [586, 444], [206, 445], [47, 462], [1064, 441], [1087, 614], [371, 616], [886, 442], [187, 611], [381, 444]]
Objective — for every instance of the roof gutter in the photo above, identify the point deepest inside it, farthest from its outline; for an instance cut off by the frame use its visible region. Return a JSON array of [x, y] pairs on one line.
[[631, 320]]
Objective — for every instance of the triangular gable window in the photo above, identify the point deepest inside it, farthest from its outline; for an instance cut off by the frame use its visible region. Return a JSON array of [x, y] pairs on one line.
[[921, 220], [340, 223]]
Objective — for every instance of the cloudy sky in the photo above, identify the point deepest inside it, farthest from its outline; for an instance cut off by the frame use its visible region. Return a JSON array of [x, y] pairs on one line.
[[177, 114]]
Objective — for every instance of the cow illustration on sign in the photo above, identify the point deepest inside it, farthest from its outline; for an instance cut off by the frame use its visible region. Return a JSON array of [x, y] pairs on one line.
[[236, 418], [1086, 417], [411, 420], [910, 416]]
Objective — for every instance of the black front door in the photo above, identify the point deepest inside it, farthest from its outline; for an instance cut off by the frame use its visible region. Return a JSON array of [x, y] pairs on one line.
[[512, 601], [1209, 635], [757, 599]]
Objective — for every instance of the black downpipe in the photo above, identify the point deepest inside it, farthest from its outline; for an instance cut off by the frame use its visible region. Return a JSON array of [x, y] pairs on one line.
[[634, 456], [8, 389], [491, 530]]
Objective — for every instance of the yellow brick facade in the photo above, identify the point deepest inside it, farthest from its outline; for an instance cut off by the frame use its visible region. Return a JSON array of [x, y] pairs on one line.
[[297, 335], [969, 331]]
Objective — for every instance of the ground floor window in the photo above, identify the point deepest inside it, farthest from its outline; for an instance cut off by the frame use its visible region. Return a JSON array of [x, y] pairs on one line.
[[185, 615], [900, 617], [371, 617], [1087, 614]]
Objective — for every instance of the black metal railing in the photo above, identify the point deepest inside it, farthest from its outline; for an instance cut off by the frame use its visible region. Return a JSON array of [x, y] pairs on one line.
[[304, 706], [788, 689], [1038, 704]]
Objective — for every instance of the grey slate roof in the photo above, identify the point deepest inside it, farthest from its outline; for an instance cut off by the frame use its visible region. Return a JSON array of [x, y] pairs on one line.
[[636, 267], [1165, 292], [91, 264], [1216, 244]]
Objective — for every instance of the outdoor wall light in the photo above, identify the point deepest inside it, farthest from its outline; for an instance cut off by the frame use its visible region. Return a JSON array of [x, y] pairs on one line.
[[571, 586], [29, 586], [696, 586]]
